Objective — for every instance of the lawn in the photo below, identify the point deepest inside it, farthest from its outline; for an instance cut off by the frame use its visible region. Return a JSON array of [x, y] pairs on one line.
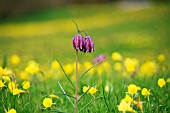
[[140, 37]]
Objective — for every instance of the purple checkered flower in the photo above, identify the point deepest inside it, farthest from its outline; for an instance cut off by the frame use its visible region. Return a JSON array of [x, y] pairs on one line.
[[88, 44], [78, 42]]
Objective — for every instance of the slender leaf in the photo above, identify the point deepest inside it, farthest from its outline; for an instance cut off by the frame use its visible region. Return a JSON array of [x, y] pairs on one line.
[[91, 68], [4, 65], [105, 98], [65, 93], [66, 74], [90, 103]]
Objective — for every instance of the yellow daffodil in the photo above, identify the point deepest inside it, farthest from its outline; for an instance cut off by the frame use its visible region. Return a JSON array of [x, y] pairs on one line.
[[129, 99], [47, 102], [161, 82], [125, 106], [11, 86], [131, 64], [92, 90], [15, 59], [24, 76], [26, 85], [106, 66], [87, 65], [55, 65], [3, 71], [100, 70], [32, 67], [117, 66], [6, 78], [12, 111], [1, 84], [85, 88], [148, 68], [68, 68], [161, 57], [145, 92], [17, 91], [116, 56], [132, 89]]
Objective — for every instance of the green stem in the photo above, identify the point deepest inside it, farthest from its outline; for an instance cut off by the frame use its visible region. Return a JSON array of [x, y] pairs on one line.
[[76, 100], [76, 26], [84, 32]]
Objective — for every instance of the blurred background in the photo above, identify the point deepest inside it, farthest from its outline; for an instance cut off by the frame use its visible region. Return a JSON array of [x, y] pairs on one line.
[[43, 29]]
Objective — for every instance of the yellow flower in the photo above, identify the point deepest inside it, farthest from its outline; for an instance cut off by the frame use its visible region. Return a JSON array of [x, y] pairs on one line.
[[68, 69], [12, 111], [100, 70], [15, 59], [129, 99], [17, 91], [26, 85], [53, 96], [92, 90], [47, 102], [106, 66], [1, 84], [87, 65], [55, 65], [148, 68], [161, 82], [117, 66], [132, 89], [85, 88], [32, 67], [145, 92], [125, 106], [161, 57], [131, 64], [11, 86], [3, 71], [116, 56], [24, 76], [6, 78]]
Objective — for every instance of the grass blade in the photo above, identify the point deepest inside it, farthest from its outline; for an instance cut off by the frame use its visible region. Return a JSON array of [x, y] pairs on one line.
[[87, 91], [91, 68], [65, 93], [4, 65], [105, 98], [90, 103], [66, 74]]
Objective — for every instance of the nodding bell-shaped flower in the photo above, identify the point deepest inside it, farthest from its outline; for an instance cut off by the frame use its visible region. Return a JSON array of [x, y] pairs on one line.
[[78, 42], [88, 44]]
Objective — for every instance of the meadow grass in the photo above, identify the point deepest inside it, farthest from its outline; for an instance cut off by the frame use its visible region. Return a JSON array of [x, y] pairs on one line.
[[47, 35]]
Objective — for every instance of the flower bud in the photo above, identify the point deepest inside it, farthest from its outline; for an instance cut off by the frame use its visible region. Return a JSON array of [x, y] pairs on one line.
[[88, 44], [78, 42]]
